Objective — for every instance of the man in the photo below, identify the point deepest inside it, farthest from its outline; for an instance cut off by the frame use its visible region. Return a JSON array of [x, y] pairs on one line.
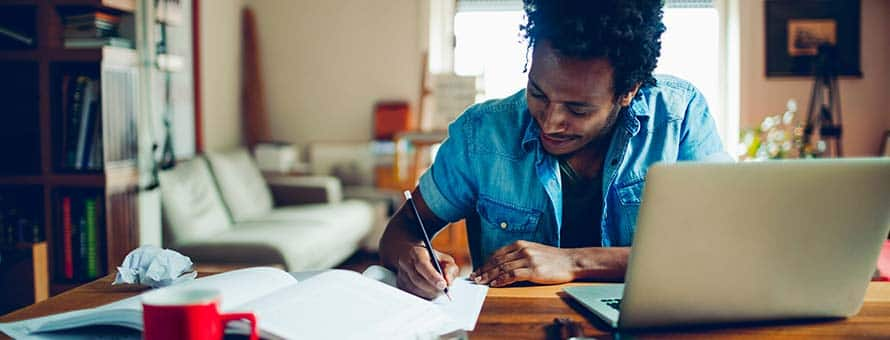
[[554, 173]]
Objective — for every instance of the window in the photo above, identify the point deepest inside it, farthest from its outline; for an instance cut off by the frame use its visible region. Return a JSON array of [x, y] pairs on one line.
[[690, 49], [488, 45]]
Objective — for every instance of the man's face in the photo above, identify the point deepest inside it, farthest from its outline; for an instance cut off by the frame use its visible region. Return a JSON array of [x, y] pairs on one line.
[[571, 99]]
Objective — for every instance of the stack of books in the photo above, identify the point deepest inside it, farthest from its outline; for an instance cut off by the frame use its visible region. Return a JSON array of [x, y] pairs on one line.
[[19, 223], [80, 227], [81, 123], [93, 29], [15, 228]]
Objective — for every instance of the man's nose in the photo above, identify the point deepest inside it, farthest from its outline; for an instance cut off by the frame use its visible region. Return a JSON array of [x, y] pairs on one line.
[[554, 119]]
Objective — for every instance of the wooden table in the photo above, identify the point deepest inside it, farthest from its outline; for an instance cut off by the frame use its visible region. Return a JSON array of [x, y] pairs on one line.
[[526, 313]]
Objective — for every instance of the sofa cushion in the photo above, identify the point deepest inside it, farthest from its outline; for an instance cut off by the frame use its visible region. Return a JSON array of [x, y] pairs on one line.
[[352, 214], [318, 237], [241, 184], [192, 207], [307, 237]]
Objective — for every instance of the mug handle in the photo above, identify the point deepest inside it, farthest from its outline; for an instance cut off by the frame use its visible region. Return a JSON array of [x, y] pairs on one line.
[[226, 318]]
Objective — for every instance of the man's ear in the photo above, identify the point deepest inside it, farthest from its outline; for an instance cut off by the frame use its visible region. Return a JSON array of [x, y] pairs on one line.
[[629, 96]]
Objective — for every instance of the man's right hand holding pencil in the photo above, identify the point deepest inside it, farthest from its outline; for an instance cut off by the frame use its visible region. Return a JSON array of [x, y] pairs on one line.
[[417, 275], [403, 250]]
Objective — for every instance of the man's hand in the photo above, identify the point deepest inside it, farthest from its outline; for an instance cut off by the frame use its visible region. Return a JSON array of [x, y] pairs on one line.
[[417, 275], [527, 261]]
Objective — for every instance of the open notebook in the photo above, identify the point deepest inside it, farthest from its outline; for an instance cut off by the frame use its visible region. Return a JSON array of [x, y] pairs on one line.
[[337, 303]]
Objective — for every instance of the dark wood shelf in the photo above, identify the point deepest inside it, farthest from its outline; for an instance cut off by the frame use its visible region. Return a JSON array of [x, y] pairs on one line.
[[19, 55], [122, 175], [88, 180], [109, 54], [21, 180], [128, 6], [18, 3]]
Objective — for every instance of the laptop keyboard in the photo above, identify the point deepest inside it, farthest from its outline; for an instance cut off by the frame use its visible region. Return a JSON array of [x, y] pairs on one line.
[[614, 303]]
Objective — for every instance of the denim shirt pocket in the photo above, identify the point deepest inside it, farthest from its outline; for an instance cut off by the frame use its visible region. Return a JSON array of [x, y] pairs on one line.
[[507, 217], [631, 193]]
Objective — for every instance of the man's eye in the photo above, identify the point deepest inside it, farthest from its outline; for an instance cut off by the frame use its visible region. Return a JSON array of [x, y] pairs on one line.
[[577, 112]]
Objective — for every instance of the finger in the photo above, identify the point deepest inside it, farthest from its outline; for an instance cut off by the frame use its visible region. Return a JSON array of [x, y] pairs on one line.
[[408, 268], [506, 267], [422, 287], [492, 263], [513, 276], [498, 256], [512, 247], [489, 271], [451, 270], [426, 271], [404, 282]]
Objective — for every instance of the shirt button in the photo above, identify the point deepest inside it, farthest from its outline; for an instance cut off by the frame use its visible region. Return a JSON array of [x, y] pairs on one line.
[[503, 225]]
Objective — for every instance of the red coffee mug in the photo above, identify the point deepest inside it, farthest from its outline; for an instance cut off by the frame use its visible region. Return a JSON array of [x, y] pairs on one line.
[[175, 313]]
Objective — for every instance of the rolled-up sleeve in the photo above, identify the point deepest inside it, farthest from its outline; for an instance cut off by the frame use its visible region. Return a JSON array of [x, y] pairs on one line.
[[699, 139], [449, 187]]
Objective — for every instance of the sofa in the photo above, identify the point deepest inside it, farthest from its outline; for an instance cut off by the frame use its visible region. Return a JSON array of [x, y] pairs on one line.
[[219, 209]]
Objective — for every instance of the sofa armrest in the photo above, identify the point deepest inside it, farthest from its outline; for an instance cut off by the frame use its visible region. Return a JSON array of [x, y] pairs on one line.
[[293, 190]]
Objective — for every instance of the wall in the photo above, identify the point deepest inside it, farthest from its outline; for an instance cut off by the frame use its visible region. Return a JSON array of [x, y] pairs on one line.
[[221, 73], [325, 64], [865, 101]]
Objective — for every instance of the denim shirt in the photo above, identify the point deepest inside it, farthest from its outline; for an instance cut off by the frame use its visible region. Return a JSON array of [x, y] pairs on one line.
[[492, 164]]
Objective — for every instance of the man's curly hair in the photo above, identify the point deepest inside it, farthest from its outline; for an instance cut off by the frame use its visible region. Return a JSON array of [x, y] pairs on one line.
[[626, 32]]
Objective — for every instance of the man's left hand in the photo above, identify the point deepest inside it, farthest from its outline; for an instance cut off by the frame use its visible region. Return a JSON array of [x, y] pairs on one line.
[[526, 261]]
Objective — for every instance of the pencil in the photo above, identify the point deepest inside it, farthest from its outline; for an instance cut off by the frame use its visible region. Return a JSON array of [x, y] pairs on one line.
[[426, 239]]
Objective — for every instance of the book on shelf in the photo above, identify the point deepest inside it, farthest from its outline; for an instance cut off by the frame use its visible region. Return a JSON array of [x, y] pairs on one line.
[[81, 248], [94, 24], [92, 251], [81, 123], [91, 17], [18, 221], [67, 252], [19, 230], [88, 109], [98, 42], [16, 36]]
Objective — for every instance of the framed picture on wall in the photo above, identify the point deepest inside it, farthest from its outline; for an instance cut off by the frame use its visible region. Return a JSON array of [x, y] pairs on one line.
[[796, 29]]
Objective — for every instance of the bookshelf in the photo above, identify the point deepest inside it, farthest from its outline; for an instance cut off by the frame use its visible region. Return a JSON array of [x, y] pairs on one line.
[[69, 162]]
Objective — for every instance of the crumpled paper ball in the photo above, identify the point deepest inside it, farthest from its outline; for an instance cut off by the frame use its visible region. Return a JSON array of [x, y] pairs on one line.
[[155, 267]]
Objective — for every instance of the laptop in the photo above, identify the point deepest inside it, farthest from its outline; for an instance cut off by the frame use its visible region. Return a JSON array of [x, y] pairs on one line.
[[748, 242]]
